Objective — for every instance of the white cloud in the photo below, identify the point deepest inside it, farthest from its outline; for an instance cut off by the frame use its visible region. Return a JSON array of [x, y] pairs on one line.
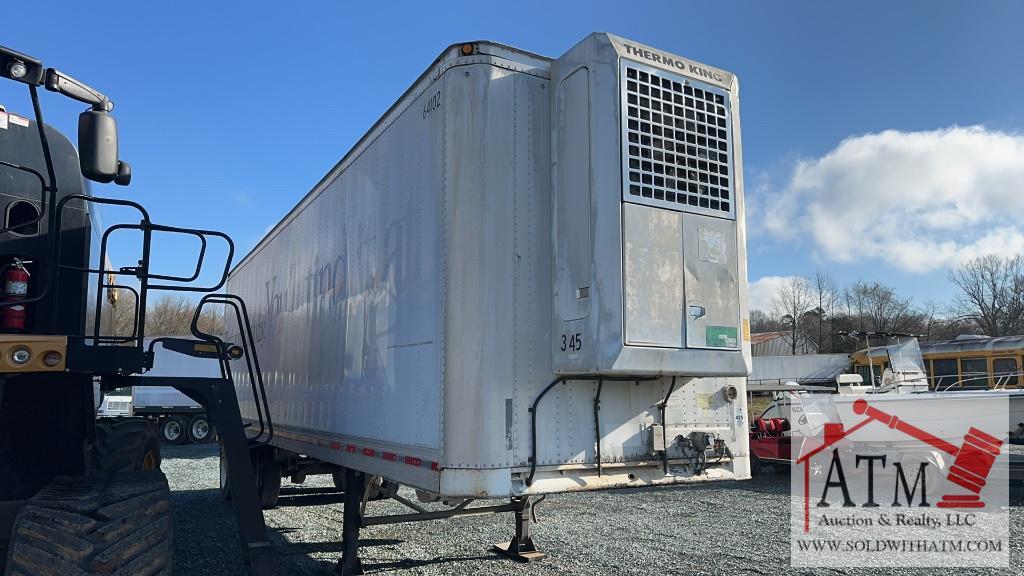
[[760, 291], [916, 200]]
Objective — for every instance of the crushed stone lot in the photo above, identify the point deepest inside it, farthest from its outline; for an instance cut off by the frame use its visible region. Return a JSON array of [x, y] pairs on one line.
[[719, 528]]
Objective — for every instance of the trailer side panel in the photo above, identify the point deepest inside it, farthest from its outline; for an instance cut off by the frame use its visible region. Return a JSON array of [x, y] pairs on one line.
[[347, 295]]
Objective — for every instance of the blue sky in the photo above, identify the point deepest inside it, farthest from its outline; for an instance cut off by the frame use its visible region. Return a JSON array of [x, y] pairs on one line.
[[230, 112]]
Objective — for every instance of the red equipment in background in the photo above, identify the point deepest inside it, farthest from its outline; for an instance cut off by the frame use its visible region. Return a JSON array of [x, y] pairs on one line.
[[16, 277], [770, 442]]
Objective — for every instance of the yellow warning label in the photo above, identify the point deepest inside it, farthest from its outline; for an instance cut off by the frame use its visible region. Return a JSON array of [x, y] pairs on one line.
[[704, 401], [746, 329]]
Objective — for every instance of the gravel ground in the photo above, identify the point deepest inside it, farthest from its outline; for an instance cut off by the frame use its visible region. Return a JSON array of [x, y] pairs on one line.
[[719, 528]]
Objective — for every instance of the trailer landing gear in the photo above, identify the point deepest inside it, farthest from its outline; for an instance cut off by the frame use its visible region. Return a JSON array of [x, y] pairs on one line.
[[352, 519], [521, 548]]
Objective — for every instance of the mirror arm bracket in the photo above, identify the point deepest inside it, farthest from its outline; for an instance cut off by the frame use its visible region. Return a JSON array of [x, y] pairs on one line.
[[57, 81]]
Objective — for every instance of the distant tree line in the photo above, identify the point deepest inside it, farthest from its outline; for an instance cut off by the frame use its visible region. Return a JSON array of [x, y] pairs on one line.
[[990, 302], [168, 315]]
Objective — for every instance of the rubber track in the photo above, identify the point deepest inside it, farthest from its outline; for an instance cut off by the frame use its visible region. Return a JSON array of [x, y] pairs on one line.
[[116, 526]]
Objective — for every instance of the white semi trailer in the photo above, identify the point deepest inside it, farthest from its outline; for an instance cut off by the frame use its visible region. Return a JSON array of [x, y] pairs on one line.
[[528, 277], [178, 418]]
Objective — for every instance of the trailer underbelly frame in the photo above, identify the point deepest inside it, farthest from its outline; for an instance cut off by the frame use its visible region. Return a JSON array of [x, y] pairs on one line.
[[421, 469]]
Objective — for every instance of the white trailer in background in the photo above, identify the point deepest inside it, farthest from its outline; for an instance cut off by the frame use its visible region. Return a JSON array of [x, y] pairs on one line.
[[114, 404], [528, 277], [179, 419]]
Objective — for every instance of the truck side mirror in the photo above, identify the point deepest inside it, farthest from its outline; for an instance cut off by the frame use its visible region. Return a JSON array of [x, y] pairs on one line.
[[97, 146]]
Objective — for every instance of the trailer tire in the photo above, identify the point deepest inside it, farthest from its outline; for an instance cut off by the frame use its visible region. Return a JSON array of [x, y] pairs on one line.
[[225, 487], [267, 471], [125, 445], [268, 475], [95, 526], [200, 431], [173, 430]]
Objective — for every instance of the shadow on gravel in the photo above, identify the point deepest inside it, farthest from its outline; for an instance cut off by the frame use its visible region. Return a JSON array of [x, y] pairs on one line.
[[309, 497], [189, 451], [450, 562], [331, 546], [206, 540]]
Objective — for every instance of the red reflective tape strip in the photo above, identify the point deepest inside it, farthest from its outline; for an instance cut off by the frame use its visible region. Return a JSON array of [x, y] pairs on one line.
[[389, 456]]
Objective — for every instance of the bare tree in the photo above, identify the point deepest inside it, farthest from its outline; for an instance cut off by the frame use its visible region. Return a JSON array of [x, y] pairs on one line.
[[827, 294], [761, 321], [169, 315], [950, 328], [931, 318], [992, 294], [124, 312], [876, 307], [792, 300]]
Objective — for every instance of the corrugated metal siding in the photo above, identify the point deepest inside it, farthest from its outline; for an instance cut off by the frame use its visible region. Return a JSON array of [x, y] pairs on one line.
[[781, 346], [798, 368]]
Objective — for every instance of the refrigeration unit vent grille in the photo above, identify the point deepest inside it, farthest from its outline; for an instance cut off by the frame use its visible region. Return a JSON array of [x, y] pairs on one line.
[[677, 142]]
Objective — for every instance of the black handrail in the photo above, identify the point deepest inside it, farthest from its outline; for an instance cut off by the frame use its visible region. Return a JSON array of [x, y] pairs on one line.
[[42, 199], [249, 352]]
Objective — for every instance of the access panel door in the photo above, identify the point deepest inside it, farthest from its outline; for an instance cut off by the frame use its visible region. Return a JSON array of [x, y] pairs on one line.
[[710, 256]]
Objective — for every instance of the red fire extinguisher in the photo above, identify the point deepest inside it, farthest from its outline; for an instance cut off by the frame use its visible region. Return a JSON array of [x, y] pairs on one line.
[[15, 288]]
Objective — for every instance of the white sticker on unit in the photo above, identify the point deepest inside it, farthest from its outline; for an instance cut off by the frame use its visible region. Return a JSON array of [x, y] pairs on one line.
[[712, 246], [19, 120]]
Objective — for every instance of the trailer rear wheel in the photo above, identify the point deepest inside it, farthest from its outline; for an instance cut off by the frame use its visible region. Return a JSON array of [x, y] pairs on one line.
[[173, 430], [268, 475], [124, 445], [199, 429], [225, 488], [95, 526]]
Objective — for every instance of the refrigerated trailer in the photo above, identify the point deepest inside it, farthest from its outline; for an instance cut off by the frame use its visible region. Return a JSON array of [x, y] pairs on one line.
[[528, 277]]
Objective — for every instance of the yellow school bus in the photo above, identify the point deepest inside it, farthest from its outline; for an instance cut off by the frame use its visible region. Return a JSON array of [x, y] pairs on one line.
[[961, 364]]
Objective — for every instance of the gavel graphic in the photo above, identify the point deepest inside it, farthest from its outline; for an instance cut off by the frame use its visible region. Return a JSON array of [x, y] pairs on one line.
[[972, 461]]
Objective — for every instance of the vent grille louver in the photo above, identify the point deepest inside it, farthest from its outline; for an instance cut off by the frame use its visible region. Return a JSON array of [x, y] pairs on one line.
[[118, 406], [677, 144]]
